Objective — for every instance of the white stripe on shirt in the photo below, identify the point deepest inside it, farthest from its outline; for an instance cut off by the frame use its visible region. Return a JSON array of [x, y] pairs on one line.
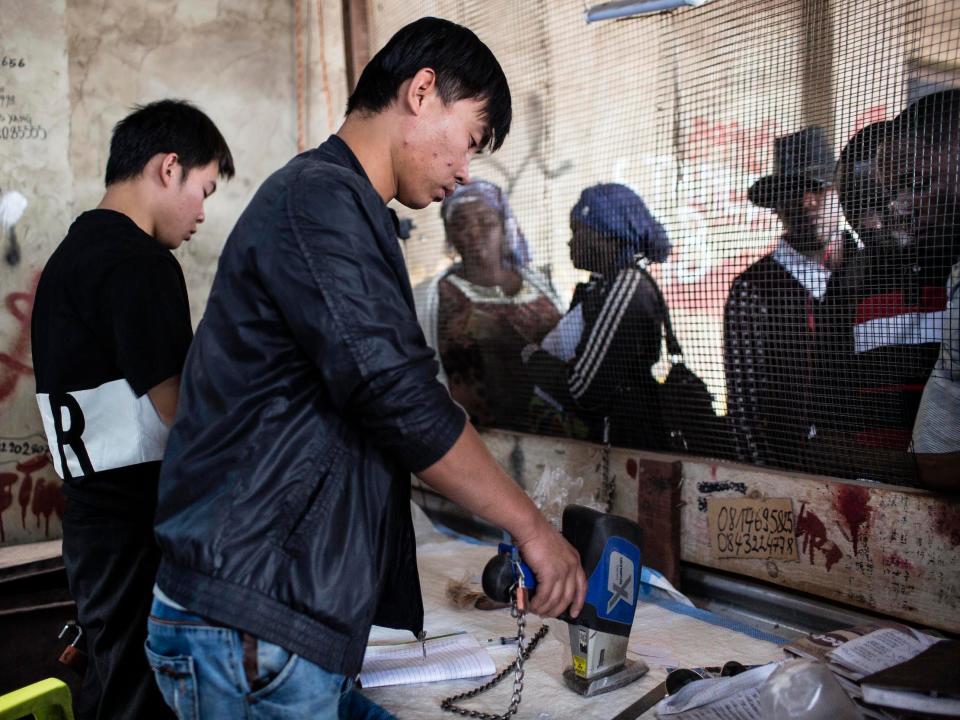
[[913, 328], [588, 356], [618, 307], [119, 428]]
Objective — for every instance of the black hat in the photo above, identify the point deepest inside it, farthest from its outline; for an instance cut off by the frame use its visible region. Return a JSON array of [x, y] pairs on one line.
[[801, 161]]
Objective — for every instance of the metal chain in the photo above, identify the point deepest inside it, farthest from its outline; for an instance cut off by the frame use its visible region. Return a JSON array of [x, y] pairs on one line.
[[608, 483], [523, 654]]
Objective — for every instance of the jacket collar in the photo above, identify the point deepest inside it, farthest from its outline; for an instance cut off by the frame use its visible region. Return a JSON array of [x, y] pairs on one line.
[[338, 152], [812, 276]]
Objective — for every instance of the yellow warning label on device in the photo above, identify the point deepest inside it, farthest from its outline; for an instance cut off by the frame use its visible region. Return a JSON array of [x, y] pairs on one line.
[[580, 666]]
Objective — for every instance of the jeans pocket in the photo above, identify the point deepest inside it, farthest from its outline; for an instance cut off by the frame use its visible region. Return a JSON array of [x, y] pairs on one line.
[[177, 681], [265, 665]]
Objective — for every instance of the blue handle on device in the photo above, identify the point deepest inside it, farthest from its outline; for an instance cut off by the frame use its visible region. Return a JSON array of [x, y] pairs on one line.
[[511, 551]]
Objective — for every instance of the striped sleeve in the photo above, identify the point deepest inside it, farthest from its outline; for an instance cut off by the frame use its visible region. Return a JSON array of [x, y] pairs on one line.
[[604, 330]]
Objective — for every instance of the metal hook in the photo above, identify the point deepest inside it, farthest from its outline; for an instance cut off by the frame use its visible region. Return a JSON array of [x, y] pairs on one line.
[[76, 627]]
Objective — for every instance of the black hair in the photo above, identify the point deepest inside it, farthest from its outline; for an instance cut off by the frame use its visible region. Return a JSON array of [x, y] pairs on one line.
[[166, 126], [934, 116], [465, 69], [859, 192]]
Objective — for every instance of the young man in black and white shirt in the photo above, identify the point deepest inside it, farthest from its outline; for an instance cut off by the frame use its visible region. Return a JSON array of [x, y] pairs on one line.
[[111, 329]]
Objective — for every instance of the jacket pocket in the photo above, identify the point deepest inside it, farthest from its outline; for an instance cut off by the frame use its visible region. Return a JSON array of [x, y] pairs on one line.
[[310, 497]]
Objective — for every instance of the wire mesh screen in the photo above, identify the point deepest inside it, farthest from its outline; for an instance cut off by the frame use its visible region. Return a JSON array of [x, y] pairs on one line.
[[722, 230]]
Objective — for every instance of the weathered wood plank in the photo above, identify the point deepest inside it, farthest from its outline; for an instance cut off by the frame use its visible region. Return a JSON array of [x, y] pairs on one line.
[[888, 549]]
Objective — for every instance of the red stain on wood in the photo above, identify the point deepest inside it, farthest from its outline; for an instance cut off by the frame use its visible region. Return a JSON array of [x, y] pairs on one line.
[[632, 468], [713, 472], [814, 534], [946, 522], [853, 503], [897, 561]]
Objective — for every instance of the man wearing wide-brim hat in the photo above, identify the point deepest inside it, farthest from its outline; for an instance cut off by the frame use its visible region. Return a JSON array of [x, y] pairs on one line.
[[775, 305]]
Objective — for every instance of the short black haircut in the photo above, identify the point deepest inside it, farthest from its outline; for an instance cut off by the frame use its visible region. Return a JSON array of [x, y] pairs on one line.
[[464, 66], [166, 126]]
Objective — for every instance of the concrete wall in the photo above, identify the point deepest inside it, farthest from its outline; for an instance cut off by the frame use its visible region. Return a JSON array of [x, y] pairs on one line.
[[84, 65]]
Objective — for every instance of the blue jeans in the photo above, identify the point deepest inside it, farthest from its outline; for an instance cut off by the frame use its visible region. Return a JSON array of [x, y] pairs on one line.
[[209, 671]]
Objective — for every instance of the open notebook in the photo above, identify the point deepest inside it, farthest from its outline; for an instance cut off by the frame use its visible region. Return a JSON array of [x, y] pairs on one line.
[[448, 658]]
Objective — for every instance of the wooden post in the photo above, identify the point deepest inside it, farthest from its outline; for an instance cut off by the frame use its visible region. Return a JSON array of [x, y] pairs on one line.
[[356, 36], [818, 107]]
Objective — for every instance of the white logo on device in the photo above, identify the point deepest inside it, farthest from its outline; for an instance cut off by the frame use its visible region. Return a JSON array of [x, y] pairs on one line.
[[620, 580]]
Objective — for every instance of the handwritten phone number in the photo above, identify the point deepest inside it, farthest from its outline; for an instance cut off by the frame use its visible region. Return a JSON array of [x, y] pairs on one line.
[[8, 100], [23, 132], [22, 448], [12, 62]]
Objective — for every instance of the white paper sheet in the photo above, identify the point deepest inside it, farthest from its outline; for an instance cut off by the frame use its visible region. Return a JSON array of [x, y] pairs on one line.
[[879, 650], [729, 698], [448, 658]]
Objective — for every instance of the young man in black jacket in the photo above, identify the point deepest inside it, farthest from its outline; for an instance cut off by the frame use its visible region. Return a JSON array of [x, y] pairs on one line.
[[111, 328], [309, 396]]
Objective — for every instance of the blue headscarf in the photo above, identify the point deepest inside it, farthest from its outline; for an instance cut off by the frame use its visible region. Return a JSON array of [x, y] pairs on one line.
[[616, 211], [491, 195]]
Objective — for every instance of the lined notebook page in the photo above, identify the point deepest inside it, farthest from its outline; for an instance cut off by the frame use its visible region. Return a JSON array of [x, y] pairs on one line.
[[448, 658]]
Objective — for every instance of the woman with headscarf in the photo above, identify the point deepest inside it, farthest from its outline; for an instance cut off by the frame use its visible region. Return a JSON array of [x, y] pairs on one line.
[[598, 362], [479, 313]]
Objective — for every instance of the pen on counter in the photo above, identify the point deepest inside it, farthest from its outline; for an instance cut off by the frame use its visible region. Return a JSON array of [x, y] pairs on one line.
[[502, 640]]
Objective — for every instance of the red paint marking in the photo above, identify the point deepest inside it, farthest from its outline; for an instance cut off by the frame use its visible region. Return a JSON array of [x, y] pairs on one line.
[[13, 364], [713, 472], [632, 468], [947, 523], [47, 499], [33, 464], [853, 503], [6, 497], [814, 535], [23, 497], [29, 488], [896, 561]]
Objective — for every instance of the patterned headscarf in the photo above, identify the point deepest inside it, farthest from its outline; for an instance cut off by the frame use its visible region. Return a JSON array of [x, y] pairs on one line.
[[618, 212], [492, 196]]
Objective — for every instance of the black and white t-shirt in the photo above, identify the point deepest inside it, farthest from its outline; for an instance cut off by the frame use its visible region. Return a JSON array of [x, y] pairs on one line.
[[111, 320]]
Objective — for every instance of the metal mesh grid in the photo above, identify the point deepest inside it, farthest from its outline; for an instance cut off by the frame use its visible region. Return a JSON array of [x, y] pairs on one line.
[[809, 302]]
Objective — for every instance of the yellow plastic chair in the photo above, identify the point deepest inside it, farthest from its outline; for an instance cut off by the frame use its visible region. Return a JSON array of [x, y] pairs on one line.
[[45, 700]]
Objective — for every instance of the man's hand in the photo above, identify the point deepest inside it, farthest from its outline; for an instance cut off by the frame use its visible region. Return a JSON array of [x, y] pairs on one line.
[[561, 582], [470, 476]]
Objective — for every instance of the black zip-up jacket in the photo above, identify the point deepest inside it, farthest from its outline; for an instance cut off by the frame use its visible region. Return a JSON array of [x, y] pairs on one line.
[[308, 397]]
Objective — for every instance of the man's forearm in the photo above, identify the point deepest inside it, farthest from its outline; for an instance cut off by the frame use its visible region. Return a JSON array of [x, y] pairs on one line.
[[470, 477]]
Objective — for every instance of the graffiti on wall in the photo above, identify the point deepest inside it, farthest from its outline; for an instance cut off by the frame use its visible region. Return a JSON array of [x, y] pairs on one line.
[[30, 491], [15, 357]]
